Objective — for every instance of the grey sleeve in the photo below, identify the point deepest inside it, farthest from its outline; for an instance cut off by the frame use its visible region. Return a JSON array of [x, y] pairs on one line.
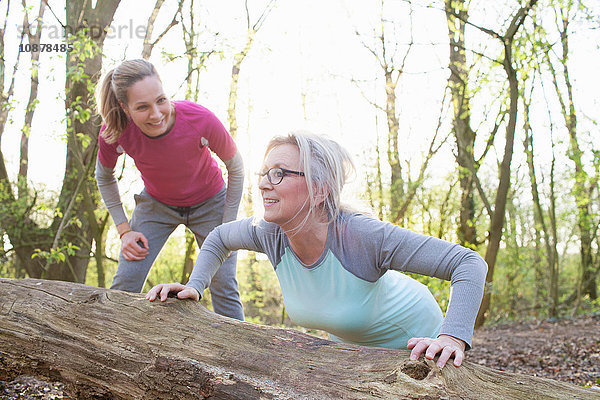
[[109, 190], [217, 246], [235, 186], [395, 248]]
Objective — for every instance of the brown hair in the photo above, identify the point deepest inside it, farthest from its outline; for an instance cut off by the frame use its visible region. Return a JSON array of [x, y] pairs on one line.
[[114, 90]]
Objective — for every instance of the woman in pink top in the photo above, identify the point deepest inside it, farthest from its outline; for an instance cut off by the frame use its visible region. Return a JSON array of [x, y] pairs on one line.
[[170, 143]]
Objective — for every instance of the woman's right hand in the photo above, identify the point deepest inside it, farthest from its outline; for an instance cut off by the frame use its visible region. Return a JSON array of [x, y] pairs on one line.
[[131, 249], [162, 290]]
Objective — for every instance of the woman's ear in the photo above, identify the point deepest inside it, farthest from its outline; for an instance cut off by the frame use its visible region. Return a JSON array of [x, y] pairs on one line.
[[124, 108], [321, 194]]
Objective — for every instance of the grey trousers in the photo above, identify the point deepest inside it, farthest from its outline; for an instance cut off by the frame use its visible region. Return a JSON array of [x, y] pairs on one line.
[[157, 221]]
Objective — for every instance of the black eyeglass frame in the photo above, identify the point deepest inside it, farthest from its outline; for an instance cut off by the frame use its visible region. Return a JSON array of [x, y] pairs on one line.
[[284, 172]]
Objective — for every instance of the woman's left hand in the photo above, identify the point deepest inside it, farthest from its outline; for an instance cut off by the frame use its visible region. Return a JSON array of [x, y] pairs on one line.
[[162, 291], [448, 345]]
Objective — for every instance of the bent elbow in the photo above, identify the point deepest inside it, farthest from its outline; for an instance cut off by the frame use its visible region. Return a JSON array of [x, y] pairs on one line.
[[482, 267]]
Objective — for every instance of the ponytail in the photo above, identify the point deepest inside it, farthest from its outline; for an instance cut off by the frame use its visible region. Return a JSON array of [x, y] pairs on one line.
[[113, 115]]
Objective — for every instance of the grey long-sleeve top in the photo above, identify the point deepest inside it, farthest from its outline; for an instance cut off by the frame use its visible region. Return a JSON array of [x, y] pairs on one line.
[[358, 266]]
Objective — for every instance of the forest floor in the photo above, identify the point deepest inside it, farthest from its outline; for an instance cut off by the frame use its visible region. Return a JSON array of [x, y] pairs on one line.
[[566, 350]]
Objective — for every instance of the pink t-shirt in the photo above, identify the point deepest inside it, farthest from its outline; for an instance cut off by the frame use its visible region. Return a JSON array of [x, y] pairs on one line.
[[177, 168]]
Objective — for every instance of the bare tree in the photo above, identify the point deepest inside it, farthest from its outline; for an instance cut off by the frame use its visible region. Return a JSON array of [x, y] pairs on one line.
[[468, 164], [457, 19], [252, 30], [545, 236], [7, 86], [385, 51], [34, 42], [498, 216], [148, 42], [584, 186]]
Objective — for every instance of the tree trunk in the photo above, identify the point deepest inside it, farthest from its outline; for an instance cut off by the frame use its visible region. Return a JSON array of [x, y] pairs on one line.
[[393, 157], [544, 277], [82, 137], [34, 40], [583, 183], [189, 257], [465, 136], [107, 344], [235, 76], [497, 218], [148, 45]]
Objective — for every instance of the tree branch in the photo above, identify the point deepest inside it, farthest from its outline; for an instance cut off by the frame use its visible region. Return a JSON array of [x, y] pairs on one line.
[[148, 46]]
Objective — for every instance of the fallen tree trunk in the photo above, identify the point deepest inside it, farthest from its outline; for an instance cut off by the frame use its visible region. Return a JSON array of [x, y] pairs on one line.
[[109, 344]]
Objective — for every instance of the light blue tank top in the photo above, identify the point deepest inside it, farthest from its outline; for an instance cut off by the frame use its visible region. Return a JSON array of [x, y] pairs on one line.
[[384, 313]]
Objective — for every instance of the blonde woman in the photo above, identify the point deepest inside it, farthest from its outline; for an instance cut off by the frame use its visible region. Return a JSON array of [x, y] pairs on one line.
[[340, 271], [171, 143]]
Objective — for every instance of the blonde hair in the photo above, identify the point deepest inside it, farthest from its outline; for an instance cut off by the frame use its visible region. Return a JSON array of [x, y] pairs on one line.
[[327, 167], [114, 90]]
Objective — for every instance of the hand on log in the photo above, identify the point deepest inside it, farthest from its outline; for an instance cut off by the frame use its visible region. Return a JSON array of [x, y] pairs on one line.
[[448, 345], [177, 289]]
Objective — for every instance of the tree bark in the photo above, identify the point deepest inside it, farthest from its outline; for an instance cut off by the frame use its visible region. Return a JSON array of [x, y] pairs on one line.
[[583, 184], [34, 40], [82, 137], [498, 216], [107, 344], [465, 136]]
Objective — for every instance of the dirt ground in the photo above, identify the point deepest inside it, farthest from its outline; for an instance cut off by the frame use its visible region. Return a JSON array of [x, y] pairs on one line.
[[566, 350]]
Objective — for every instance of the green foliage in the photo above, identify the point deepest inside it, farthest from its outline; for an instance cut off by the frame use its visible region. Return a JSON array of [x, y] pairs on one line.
[[260, 292], [439, 288], [91, 277], [84, 48], [168, 265], [56, 255]]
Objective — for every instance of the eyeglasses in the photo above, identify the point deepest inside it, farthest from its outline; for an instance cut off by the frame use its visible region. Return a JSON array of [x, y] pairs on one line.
[[275, 175]]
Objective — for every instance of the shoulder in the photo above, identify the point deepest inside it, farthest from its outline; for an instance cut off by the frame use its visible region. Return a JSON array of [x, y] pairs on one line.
[[357, 241], [358, 224], [189, 109], [266, 237], [256, 227], [198, 118], [362, 233], [267, 231]]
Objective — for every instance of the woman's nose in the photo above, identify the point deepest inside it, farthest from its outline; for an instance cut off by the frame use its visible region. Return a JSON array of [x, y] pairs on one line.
[[263, 183], [155, 112]]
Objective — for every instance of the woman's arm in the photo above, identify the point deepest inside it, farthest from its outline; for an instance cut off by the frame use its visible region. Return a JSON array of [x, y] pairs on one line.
[[466, 271], [464, 268], [235, 186], [386, 246], [217, 246], [391, 247], [109, 190]]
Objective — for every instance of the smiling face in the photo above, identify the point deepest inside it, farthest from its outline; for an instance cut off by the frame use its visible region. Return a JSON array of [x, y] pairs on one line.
[[286, 204], [149, 107]]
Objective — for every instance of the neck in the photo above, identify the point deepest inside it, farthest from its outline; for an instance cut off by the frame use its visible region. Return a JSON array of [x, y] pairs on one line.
[[308, 242]]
